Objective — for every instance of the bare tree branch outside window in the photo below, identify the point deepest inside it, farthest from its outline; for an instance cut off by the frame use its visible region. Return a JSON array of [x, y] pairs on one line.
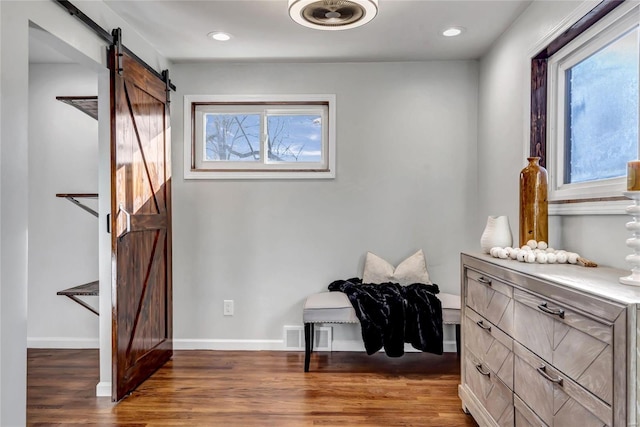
[[290, 138]]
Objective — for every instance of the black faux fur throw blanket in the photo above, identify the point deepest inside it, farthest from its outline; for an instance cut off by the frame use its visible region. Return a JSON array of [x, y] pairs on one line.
[[391, 314]]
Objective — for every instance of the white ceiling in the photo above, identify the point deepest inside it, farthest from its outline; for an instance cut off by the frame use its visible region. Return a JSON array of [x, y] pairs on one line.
[[404, 30]]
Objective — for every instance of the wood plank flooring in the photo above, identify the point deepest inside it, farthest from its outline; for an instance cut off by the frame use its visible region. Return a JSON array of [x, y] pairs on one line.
[[227, 388]]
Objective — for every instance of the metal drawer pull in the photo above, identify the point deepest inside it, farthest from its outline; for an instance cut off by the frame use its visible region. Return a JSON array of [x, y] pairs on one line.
[[542, 371], [484, 281], [483, 326], [482, 371], [555, 311]]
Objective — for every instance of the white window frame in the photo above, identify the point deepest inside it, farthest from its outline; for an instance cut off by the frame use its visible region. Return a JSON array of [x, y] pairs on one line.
[[197, 106], [613, 25]]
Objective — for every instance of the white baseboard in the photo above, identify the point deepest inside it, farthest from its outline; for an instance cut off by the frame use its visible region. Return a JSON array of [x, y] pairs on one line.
[[59, 342], [350, 345], [277, 345], [449, 346], [214, 344], [347, 345], [219, 344], [103, 389]]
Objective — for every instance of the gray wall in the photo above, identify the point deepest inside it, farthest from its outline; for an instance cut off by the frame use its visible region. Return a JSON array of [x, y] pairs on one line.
[[63, 239], [503, 138], [406, 179]]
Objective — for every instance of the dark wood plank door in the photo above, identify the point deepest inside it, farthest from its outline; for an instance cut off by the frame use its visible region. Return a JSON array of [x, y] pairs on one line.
[[140, 224]]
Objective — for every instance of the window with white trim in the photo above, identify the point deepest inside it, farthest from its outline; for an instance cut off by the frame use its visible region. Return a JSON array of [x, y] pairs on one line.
[[593, 110], [260, 137]]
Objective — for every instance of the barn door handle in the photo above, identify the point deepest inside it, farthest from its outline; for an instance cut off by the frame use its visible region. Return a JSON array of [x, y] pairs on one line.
[[483, 371], [542, 371], [127, 230], [484, 281], [555, 311]]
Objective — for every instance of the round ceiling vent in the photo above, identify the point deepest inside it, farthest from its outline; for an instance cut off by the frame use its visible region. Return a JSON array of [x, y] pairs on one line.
[[333, 14]]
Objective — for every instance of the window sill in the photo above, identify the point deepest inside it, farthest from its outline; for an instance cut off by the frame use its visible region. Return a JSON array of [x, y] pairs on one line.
[[202, 174], [600, 207]]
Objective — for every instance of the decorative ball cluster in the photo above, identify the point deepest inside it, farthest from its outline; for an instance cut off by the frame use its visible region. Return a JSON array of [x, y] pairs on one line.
[[535, 252]]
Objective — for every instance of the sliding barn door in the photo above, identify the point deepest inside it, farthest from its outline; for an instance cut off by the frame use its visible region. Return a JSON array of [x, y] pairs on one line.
[[140, 223]]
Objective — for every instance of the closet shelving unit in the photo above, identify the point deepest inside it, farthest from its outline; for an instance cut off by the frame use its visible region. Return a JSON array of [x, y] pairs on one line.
[[89, 106], [90, 288], [86, 104]]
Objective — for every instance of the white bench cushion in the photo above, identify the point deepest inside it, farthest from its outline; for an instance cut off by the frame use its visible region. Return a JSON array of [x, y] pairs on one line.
[[335, 307], [331, 307]]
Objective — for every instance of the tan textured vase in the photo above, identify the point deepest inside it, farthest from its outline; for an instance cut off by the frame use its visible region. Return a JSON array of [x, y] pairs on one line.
[[533, 202]]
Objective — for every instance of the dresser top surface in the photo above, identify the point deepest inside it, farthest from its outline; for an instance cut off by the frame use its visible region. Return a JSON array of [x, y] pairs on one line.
[[600, 281]]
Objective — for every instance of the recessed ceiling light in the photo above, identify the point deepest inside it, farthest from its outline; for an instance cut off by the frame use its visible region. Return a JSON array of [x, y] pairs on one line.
[[220, 36], [453, 31]]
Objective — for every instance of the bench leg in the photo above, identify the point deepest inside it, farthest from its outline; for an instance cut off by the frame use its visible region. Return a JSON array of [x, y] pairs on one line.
[[308, 344], [458, 339]]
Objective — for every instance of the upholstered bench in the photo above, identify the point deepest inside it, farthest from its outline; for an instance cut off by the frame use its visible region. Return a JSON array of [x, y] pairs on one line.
[[335, 307]]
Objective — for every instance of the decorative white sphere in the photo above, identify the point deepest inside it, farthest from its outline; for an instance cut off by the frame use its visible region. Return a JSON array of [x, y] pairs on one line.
[[533, 252]]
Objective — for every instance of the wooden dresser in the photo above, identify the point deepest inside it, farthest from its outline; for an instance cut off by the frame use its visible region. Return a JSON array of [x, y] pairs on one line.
[[548, 344]]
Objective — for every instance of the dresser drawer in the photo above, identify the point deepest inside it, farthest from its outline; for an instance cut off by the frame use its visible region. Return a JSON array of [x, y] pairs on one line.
[[522, 421], [553, 397], [496, 397], [524, 416], [491, 298], [490, 345], [576, 345]]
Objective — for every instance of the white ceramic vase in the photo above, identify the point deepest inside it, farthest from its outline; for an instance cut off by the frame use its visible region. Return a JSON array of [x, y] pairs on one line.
[[496, 233]]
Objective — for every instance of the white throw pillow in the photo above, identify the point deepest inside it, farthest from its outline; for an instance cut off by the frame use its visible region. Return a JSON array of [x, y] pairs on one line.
[[411, 270]]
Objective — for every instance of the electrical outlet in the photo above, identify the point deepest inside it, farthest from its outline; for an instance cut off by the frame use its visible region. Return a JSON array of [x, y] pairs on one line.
[[228, 307]]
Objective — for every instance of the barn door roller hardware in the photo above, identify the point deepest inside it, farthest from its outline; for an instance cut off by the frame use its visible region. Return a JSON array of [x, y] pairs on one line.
[[109, 38], [117, 44], [167, 82]]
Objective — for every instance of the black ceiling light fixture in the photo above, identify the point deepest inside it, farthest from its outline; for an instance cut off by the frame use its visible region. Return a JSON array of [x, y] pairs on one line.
[[333, 14]]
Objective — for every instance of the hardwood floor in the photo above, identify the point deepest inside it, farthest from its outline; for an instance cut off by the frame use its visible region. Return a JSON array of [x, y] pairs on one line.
[[227, 388]]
